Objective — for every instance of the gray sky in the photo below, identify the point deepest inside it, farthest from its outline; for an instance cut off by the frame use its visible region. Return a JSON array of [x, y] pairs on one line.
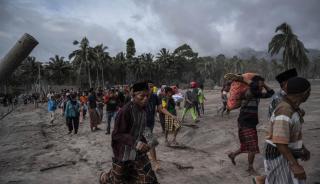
[[210, 27]]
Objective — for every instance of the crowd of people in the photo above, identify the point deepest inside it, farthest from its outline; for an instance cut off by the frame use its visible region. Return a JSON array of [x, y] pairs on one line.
[[283, 148], [134, 110]]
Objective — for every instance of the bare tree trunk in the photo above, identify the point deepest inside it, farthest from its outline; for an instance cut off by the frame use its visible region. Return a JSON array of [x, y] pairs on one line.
[[102, 73], [89, 77], [79, 75], [97, 78]]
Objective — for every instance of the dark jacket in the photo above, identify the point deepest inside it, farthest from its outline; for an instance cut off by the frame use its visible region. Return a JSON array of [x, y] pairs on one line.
[[128, 130]]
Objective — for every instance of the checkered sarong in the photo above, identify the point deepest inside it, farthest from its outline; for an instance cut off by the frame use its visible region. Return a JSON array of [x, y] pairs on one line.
[[249, 140], [171, 124]]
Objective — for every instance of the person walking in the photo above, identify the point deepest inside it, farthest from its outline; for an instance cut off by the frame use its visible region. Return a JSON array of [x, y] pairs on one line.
[[224, 96], [282, 79], [93, 112], [172, 124], [190, 103], [72, 113], [112, 103], [284, 146], [248, 120], [52, 107], [84, 107], [131, 142]]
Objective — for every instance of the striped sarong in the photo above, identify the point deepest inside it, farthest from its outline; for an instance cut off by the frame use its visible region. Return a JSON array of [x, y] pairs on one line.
[[277, 168]]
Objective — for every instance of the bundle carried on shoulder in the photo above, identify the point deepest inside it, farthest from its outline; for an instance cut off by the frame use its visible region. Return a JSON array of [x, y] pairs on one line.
[[177, 97], [240, 84]]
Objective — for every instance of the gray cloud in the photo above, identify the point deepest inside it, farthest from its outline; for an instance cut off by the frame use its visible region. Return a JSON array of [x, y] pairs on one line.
[[209, 26], [225, 26], [55, 35], [137, 17]]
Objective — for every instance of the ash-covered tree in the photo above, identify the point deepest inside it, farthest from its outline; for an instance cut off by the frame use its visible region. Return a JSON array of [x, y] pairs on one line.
[[294, 52], [58, 69], [102, 59], [82, 59], [131, 50]]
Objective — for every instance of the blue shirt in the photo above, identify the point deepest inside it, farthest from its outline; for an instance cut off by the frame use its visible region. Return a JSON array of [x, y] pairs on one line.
[[276, 99], [52, 105], [72, 109]]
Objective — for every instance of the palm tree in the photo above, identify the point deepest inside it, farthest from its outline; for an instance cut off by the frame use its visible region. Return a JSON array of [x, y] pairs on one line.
[[148, 57], [220, 68], [119, 67], [144, 66], [164, 57], [29, 72], [83, 57], [208, 69], [185, 51], [163, 54], [101, 59], [131, 50], [294, 52], [59, 69]]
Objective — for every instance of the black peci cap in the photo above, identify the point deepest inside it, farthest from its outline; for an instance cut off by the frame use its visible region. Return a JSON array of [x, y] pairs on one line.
[[297, 85], [286, 75], [142, 86]]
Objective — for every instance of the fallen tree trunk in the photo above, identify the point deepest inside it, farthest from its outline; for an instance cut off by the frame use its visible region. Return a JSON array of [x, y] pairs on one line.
[[16, 55]]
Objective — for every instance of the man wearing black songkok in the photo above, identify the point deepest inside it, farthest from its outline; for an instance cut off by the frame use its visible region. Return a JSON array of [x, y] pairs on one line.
[[131, 141], [282, 78], [284, 146]]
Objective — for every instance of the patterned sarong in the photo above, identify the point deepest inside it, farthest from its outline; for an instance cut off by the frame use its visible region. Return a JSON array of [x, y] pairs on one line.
[[94, 118], [137, 172], [248, 140], [171, 124]]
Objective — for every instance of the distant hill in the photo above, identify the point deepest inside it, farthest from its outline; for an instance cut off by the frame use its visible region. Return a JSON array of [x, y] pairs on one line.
[[247, 53], [313, 53]]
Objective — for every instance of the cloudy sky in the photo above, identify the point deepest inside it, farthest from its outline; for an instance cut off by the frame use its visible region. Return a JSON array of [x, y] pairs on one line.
[[209, 26]]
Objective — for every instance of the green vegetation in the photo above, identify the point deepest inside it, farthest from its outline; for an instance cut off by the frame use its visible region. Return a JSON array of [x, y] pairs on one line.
[[93, 66]]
